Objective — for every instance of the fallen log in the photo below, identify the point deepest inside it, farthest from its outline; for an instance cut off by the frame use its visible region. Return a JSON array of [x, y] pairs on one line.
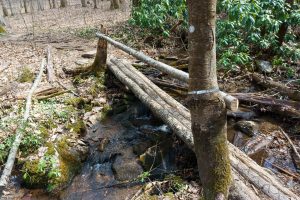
[[20, 132], [240, 162], [231, 102], [284, 90], [285, 108]]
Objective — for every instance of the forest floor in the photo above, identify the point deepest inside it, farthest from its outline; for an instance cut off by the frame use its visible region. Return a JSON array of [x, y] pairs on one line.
[[71, 33]]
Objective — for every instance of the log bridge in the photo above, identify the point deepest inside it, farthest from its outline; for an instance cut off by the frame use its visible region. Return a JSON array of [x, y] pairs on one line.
[[250, 181]]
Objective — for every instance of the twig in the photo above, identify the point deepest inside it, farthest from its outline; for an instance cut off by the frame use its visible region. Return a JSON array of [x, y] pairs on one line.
[[20, 132], [62, 85], [291, 143]]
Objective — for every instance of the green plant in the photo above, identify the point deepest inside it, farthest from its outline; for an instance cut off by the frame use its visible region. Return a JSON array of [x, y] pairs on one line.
[[159, 15], [252, 27]]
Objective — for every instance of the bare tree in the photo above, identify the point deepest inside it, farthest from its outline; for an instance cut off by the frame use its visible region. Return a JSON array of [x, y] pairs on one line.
[[25, 6], [4, 9], [114, 4], [40, 4], [208, 111], [10, 7], [95, 4], [63, 3], [83, 3]]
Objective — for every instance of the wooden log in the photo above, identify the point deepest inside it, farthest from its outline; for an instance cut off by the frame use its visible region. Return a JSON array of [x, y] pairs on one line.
[[284, 90], [231, 102], [285, 108], [50, 69], [20, 132], [243, 165]]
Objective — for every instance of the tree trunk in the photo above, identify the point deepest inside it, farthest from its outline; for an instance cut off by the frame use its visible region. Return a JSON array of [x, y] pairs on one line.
[[40, 4], [63, 3], [53, 4], [11, 8], [283, 27], [83, 3], [25, 6], [4, 9], [135, 3], [95, 4], [115, 4], [207, 106]]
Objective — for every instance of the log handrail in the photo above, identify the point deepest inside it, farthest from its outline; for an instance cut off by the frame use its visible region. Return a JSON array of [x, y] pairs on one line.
[[231, 102]]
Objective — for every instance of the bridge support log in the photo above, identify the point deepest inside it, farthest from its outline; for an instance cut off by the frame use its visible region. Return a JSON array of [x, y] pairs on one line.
[[178, 118]]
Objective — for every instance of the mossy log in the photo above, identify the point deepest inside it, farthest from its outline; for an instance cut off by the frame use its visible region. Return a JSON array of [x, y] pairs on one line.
[[241, 163]]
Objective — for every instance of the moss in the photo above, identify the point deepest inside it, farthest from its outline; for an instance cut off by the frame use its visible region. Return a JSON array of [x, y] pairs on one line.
[[77, 102], [77, 127], [2, 30], [48, 124], [26, 75], [98, 84], [33, 175], [50, 149], [44, 131]]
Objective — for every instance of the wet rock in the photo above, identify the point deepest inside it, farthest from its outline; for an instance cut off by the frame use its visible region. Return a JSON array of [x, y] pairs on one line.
[[250, 128], [126, 168], [264, 66], [55, 165], [89, 54]]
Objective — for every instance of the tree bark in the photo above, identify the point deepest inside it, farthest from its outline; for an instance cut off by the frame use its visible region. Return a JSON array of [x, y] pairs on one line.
[[283, 27], [11, 8], [261, 80], [242, 166], [115, 4], [208, 111], [4, 9], [25, 6], [95, 4], [53, 4], [63, 3], [231, 102], [83, 3]]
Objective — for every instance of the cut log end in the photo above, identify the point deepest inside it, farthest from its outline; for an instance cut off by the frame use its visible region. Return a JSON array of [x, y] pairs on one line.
[[231, 102]]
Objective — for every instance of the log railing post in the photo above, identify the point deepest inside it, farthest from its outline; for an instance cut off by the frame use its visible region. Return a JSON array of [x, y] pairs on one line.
[[101, 56]]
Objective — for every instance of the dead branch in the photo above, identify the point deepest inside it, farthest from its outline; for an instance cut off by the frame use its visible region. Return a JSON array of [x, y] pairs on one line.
[[283, 89], [50, 69], [285, 108], [20, 132], [290, 141]]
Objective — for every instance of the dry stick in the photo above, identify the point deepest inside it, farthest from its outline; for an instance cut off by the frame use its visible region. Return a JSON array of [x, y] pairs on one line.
[[50, 70], [245, 166], [231, 102], [291, 143], [20, 132]]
